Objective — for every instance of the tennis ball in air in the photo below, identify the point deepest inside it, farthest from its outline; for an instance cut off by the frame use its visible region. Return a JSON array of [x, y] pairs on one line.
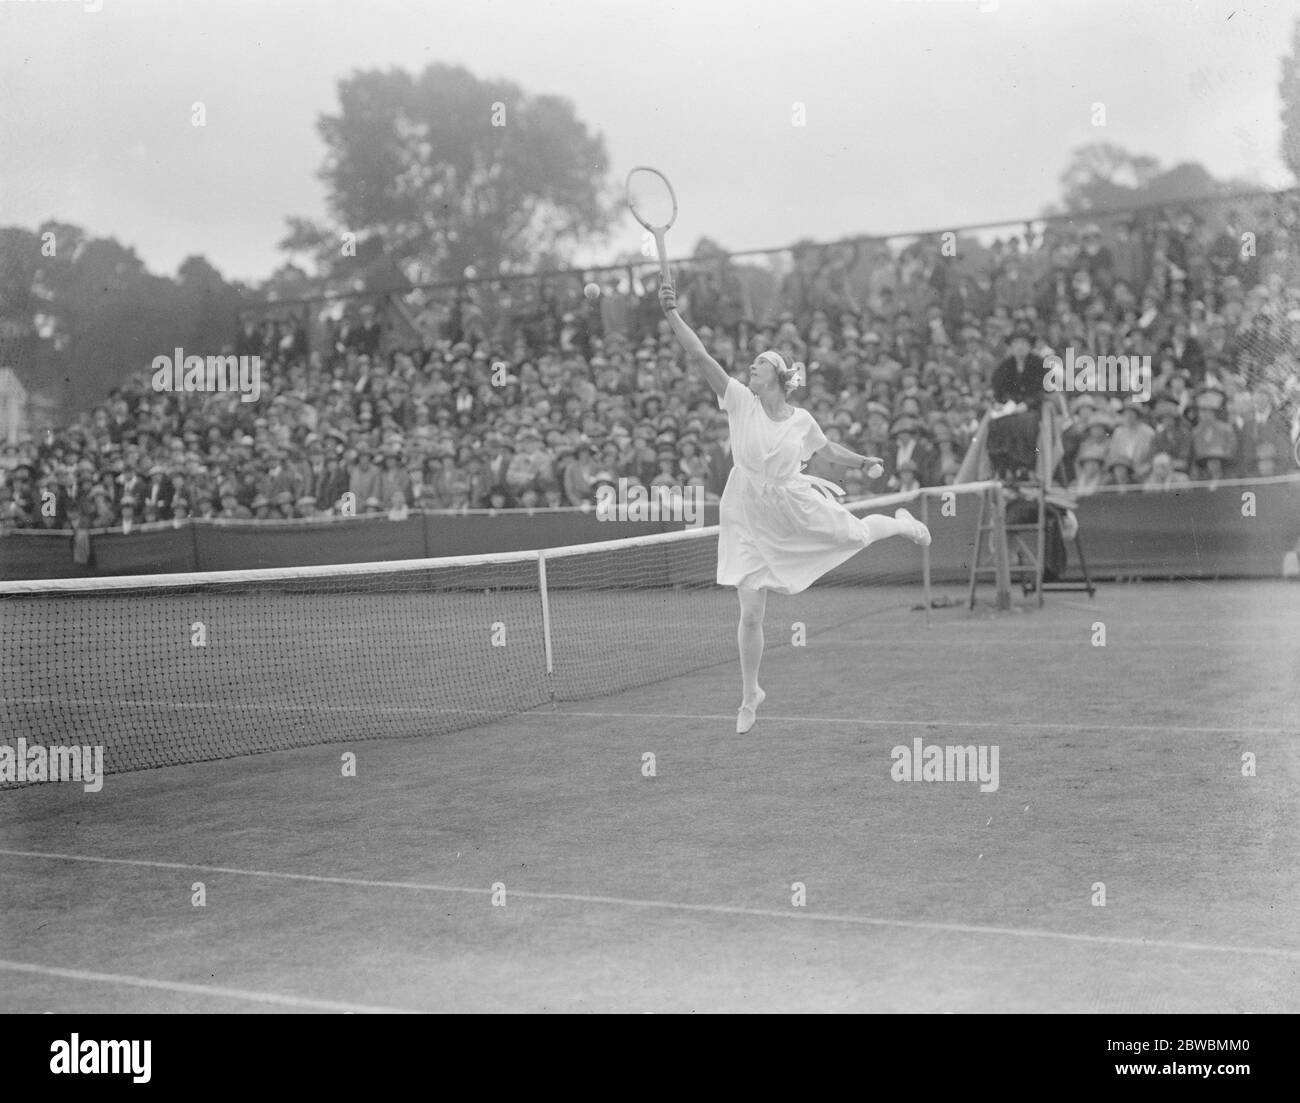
[[592, 291], [875, 471]]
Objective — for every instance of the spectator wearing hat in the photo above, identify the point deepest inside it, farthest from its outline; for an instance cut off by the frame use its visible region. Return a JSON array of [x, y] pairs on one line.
[[1219, 344], [363, 480], [330, 483], [533, 466], [909, 388], [205, 508], [1129, 450], [133, 489], [578, 478], [634, 454], [907, 477], [103, 512], [907, 446], [281, 478], [463, 483], [947, 458], [1089, 462], [669, 473], [393, 478], [1172, 434], [877, 364], [877, 418], [1214, 444], [1082, 407], [1096, 258], [694, 464], [282, 506], [1188, 353], [159, 492]]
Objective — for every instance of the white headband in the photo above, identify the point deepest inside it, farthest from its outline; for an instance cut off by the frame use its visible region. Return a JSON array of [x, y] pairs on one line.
[[775, 359]]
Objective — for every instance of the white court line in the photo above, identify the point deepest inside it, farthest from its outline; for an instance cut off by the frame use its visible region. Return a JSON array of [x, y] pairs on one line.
[[672, 905], [246, 994], [1004, 725]]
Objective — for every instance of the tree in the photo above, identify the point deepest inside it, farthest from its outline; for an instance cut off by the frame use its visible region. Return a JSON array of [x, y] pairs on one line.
[[83, 314], [1289, 89], [210, 304], [1102, 176], [444, 172]]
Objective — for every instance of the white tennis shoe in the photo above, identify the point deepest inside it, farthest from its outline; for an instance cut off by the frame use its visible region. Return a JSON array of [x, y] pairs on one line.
[[919, 534], [748, 714]]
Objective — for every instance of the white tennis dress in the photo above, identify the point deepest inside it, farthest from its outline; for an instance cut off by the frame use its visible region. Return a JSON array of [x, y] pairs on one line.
[[777, 530]]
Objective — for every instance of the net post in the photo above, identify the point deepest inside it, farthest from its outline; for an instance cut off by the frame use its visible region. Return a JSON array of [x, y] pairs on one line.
[[925, 556], [546, 614]]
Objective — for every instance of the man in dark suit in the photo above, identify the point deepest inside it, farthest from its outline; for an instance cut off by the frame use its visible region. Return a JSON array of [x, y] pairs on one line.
[[366, 337], [718, 453], [1263, 434], [1013, 438], [1188, 353]]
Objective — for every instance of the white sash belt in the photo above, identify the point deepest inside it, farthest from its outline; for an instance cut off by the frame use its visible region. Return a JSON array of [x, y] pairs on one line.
[[822, 486]]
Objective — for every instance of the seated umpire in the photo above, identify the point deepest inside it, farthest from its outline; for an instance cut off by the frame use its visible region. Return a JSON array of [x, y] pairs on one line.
[[1013, 439]]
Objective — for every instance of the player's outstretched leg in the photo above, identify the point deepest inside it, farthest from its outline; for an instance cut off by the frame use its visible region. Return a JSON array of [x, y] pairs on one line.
[[901, 524], [749, 638]]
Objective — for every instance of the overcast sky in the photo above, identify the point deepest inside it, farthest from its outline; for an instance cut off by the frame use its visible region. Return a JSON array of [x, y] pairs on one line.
[[919, 113]]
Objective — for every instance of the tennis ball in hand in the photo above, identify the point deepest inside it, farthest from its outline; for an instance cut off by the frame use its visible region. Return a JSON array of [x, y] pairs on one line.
[[592, 291], [875, 471]]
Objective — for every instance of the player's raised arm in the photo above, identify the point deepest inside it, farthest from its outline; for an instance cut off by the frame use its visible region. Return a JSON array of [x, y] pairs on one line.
[[711, 370]]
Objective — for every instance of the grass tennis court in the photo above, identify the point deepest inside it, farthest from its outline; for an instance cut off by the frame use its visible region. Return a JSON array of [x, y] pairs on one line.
[[673, 893]]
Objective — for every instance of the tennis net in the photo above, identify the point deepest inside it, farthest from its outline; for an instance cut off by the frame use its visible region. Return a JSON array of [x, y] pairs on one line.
[[162, 670]]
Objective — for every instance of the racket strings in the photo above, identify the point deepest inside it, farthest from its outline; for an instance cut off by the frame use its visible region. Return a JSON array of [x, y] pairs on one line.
[[651, 198]]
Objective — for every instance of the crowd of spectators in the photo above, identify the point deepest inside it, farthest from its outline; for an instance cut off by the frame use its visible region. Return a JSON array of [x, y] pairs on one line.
[[533, 395]]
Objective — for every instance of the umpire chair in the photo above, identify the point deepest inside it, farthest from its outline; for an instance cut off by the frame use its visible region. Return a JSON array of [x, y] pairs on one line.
[[1024, 516]]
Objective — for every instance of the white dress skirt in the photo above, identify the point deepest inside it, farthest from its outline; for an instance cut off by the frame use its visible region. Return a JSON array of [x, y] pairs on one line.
[[777, 529]]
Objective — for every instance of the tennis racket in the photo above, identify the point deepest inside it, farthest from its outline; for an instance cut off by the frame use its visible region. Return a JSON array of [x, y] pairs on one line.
[[653, 204]]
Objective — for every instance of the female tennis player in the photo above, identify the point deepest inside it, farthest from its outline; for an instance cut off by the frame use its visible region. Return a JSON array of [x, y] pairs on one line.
[[778, 530]]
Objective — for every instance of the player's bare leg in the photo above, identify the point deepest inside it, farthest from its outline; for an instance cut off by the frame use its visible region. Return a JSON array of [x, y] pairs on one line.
[[749, 638]]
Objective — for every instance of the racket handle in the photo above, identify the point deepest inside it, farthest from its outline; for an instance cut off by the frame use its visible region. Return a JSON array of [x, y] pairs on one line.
[[662, 250]]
